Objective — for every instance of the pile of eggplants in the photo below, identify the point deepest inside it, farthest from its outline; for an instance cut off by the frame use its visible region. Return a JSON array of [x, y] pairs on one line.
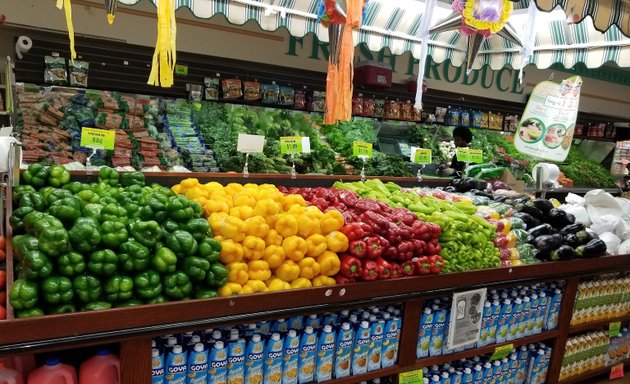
[[554, 233]]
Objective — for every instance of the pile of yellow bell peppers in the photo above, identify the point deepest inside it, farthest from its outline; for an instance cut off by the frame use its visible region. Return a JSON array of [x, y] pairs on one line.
[[269, 241]]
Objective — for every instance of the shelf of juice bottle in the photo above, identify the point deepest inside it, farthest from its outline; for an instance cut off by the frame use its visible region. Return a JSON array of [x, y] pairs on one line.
[[488, 349], [390, 371], [120, 323], [586, 376], [592, 325]]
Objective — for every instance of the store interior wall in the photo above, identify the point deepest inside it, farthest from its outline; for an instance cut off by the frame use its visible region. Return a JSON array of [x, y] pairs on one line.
[[216, 37]]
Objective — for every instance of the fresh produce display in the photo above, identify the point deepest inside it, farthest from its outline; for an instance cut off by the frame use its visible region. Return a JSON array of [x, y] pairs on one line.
[[269, 241], [3, 279], [115, 242], [384, 243]]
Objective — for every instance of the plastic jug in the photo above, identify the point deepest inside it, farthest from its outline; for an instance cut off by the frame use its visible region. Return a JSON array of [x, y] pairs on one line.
[[102, 368], [23, 363], [53, 373], [10, 376]]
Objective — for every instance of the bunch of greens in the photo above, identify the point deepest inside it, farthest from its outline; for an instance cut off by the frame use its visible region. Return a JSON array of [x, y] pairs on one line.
[[585, 172]]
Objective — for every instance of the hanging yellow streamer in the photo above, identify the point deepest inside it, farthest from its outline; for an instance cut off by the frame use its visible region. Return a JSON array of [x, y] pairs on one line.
[[164, 57], [65, 4]]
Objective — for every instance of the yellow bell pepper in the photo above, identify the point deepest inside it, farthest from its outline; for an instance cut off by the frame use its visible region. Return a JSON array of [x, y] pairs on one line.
[[230, 289], [197, 194], [244, 198], [331, 221], [300, 283], [253, 248], [308, 225], [294, 247], [297, 210], [257, 226], [232, 228], [309, 268], [314, 211], [288, 271], [188, 184], [213, 186], [316, 245], [215, 206], [177, 188], [337, 242], [290, 200], [322, 281], [258, 270], [276, 284], [267, 207], [219, 239], [233, 188], [222, 196], [231, 252], [269, 193], [329, 263], [274, 255], [237, 273], [242, 211], [255, 286], [286, 225], [273, 219], [216, 219], [273, 238]]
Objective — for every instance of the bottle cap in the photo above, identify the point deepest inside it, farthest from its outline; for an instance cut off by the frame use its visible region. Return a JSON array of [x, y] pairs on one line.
[[256, 338], [365, 324], [102, 352], [345, 326], [199, 347], [52, 361], [275, 336], [327, 328], [219, 345], [155, 352], [216, 335], [177, 349], [171, 341], [308, 329], [292, 333]]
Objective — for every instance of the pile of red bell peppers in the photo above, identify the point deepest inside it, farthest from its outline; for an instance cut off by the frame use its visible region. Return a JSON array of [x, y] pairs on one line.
[[385, 243]]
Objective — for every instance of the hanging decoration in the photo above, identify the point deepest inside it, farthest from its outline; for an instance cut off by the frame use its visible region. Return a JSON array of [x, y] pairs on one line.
[[341, 17], [164, 57], [110, 8], [423, 34], [67, 6]]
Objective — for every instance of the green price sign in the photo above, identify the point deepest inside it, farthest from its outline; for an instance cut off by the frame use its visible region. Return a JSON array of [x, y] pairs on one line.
[[463, 155], [181, 70], [475, 156], [411, 377], [290, 144], [502, 351], [362, 149], [614, 328], [97, 138], [422, 156]]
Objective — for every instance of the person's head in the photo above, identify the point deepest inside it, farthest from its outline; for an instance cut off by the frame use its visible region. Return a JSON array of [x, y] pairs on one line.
[[462, 136]]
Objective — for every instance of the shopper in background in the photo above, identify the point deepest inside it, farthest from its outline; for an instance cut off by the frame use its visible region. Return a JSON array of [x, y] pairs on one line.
[[462, 136]]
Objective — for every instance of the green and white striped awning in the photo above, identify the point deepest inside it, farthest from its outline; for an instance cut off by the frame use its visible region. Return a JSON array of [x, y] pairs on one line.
[[603, 12], [394, 24]]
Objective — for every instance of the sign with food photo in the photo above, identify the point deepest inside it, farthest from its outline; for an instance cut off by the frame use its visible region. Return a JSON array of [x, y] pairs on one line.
[[546, 130]]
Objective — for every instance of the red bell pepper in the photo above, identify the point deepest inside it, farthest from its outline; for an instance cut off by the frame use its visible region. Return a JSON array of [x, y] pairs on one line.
[[396, 271], [358, 248], [374, 247], [405, 231], [418, 247], [320, 203], [370, 271], [405, 250], [423, 265], [375, 220], [350, 267], [384, 207], [403, 215], [433, 247], [349, 217], [390, 253], [344, 280], [501, 241], [384, 269], [408, 268], [354, 231], [348, 197], [436, 263], [393, 234], [368, 205]]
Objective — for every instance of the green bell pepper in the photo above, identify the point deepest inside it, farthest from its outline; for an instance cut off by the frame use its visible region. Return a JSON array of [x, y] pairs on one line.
[[157, 300], [113, 234], [133, 209], [56, 194], [17, 219], [129, 303], [133, 256], [148, 284], [19, 191], [75, 187], [33, 200], [107, 200], [87, 288], [71, 264], [147, 232], [153, 207], [64, 308], [109, 176], [217, 276], [31, 219], [54, 241], [210, 250], [89, 196], [198, 211], [36, 175], [85, 235], [182, 243], [58, 176], [23, 294], [97, 306], [22, 244], [206, 293], [37, 223], [177, 285], [164, 261], [57, 290], [179, 209], [137, 190], [132, 178], [196, 268], [118, 288], [169, 226], [199, 228], [33, 312], [92, 210], [103, 263], [67, 209], [113, 212]]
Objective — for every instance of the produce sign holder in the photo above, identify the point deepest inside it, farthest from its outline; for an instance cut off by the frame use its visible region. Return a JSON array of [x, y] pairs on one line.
[[134, 327]]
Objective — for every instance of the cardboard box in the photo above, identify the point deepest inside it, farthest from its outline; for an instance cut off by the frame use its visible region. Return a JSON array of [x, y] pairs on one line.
[[509, 179]]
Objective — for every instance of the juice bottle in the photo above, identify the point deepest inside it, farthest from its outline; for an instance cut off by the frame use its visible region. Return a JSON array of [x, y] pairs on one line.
[[235, 359], [102, 368], [493, 325], [361, 349], [554, 310], [343, 351], [477, 374], [503, 326], [197, 365], [290, 358], [306, 360], [10, 375], [467, 377], [445, 378], [296, 322], [376, 343], [24, 363], [53, 372], [157, 366], [424, 333], [437, 331], [325, 354], [176, 366], [313, 321], [446, 349], [264, 327], [273, 359], [391, 340], [254, 360], [217, 364], [485, 322], [280, 326], [515, 318], [213, 338]]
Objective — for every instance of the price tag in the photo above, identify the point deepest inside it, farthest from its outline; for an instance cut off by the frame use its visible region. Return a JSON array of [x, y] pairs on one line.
[[422, 156], [411, 377], [181, 70], [502, 351], [614, 328], [616, 372], [463, 155], [362, 149], [97, 138], [475, 156], [250, 143], [290, 144]]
